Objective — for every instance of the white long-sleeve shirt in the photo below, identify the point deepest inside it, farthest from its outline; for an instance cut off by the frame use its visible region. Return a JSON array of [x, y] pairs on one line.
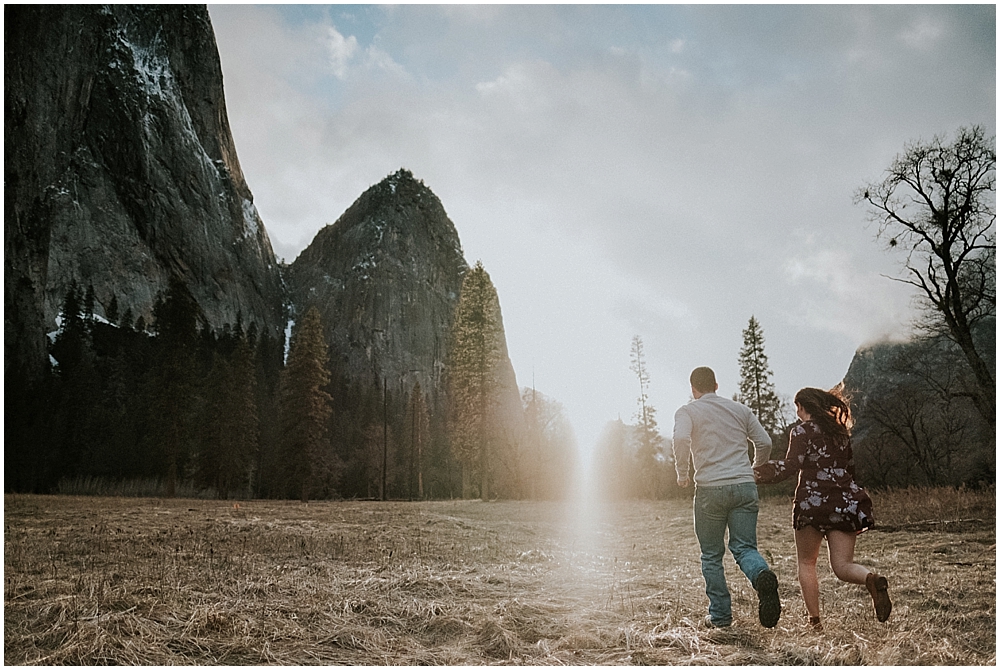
[[713, 431]]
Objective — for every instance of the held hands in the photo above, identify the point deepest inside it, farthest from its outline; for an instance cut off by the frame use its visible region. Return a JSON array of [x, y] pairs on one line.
[[683, 483], [761, 475]]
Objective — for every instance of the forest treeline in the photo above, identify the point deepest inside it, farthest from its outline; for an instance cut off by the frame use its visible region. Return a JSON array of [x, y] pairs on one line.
[[915, 423], [238, 412], [188, 410], [229, 414], [170, 400]]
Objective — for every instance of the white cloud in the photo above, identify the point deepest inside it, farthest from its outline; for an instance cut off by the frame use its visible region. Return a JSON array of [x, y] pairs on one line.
[[381, 60], [922, 32], [840, 297], [520, 79], [489, 87], [341, 51]]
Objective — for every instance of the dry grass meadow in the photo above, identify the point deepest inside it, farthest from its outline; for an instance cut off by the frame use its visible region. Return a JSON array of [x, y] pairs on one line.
[[162, 582]]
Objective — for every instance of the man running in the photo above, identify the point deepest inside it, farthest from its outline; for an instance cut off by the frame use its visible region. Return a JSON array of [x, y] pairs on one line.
[[712, 432]]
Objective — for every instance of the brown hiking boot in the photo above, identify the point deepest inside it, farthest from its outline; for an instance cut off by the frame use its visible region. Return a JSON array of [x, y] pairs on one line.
[[878, 587]]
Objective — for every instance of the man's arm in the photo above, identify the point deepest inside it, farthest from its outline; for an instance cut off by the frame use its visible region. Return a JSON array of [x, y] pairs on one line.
[[761, 440], [682, 446]]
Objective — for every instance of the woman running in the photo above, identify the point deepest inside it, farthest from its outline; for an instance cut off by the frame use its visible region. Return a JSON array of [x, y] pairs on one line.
[[828, 503]]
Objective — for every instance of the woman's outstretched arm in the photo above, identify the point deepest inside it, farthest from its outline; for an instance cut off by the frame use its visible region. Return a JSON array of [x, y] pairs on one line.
[[779, 470]]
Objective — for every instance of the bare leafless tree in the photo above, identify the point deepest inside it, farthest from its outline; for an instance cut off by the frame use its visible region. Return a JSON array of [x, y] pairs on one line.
[[928, 434], [878, 460], [937, 203], [912, 423]]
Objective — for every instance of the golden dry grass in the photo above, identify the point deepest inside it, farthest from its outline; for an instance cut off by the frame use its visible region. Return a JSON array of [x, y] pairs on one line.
[[151, 581]]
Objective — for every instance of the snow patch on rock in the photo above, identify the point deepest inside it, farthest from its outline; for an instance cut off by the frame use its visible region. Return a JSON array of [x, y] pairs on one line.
[[250, 219]]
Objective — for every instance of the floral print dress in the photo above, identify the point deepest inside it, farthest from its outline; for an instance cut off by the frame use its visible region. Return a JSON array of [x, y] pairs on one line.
[[827, 497]]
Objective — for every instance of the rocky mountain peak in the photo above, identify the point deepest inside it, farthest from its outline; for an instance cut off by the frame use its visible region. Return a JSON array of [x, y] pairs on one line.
[[386, 277], [398, 216]]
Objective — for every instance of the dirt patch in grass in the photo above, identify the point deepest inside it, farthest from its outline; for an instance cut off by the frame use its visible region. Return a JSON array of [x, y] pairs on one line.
[[151, 581]]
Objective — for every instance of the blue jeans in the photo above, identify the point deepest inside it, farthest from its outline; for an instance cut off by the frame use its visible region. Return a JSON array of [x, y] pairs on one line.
[[717, 508]]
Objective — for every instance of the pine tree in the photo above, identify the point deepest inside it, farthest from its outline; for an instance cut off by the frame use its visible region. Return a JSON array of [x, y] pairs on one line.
[[72, 337], [418, 436], [534, 436], [77, 389], [123, 411], [242, 441], [228, 454], [756, 389], [650, 442], [88, 303], [475, 361], [176, 315], [268, 366], [127, 321], [306, 408]]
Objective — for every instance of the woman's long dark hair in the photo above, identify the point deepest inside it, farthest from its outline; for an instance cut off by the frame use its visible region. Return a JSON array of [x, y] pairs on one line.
[[829, 409]]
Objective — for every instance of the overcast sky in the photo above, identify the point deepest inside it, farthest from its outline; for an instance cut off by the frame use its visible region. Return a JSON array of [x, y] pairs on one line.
[[663, 171]]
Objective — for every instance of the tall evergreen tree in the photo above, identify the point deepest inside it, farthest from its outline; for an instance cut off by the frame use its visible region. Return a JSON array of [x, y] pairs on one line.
[[474, 373], [268, 365], [176, 316], [305, 408], [650, 442], [123, 412], [531, 456], [112, 311], [756, 390], [229, 451], [72, 337], [417, 437], [88, 303], [76, 391]]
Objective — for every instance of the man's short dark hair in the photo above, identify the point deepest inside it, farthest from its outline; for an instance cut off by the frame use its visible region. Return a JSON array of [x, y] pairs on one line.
[[703, 380]]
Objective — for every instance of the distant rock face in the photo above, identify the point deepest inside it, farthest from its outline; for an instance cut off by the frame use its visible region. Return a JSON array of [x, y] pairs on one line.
[[120, 170], [914, 420], [932, 365], [386, 278]]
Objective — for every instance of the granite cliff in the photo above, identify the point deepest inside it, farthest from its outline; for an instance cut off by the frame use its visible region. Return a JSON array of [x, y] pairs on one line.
[[386, 277], [120, 172]]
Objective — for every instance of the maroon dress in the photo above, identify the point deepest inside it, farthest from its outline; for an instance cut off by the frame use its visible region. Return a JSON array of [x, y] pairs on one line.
[[827, 497]]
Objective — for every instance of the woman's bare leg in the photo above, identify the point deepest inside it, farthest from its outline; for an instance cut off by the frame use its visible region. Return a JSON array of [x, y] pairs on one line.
[[807, 542], [842, 561], [842, 557]]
